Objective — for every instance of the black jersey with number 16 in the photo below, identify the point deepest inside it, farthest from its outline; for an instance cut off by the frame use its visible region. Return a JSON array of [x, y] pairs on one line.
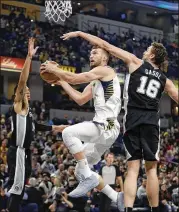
[[142, 93]]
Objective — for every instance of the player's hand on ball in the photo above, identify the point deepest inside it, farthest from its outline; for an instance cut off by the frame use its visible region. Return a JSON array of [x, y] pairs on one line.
[[70, 35], [31, 50], [48, 67]]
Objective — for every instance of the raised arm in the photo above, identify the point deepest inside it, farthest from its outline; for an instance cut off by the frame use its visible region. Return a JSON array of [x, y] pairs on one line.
[[19, 95], [171, 90], [115, 51]]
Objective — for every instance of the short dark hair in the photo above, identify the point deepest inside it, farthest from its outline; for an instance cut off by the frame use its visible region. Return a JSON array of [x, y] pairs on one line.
[[160, 53]]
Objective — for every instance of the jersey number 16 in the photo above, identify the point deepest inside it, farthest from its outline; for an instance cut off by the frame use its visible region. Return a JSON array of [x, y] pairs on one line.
[[151, 90]]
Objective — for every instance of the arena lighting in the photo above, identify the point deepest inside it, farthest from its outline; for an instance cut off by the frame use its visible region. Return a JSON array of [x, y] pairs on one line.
[[52, 85], [159, 4]]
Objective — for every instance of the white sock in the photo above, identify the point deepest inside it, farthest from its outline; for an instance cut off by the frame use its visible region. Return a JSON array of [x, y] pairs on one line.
[[111, 193], [83, 168]]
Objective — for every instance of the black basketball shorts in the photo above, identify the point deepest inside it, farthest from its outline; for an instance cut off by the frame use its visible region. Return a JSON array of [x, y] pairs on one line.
[[142, 142]]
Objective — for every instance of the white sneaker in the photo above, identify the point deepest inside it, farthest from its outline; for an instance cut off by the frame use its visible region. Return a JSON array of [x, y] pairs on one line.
[[84, 186]]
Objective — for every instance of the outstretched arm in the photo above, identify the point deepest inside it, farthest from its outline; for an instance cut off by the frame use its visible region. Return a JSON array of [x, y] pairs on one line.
[[171, 90], [44, 128], [25, 72], [72, 78], [115, 51]]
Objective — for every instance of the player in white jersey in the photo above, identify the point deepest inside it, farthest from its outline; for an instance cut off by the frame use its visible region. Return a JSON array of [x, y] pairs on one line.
[[98, 135]]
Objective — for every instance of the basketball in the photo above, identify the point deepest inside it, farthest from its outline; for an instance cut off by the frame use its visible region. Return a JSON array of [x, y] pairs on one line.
[[48, 76]]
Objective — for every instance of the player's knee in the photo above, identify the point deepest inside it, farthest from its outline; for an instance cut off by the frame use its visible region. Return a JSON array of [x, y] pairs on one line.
[[132, 173], [71, 141], [67, 133], [151, 167], [68, 136], [133, 167]]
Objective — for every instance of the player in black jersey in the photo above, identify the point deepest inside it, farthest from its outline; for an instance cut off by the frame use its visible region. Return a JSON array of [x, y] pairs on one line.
[[143, 90], [18, 156]]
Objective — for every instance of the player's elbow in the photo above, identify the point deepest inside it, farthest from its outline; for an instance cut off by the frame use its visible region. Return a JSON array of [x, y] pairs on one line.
[[80, 102]]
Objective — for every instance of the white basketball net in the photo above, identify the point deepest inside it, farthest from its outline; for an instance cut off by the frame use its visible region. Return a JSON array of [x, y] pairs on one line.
[[58, 9]]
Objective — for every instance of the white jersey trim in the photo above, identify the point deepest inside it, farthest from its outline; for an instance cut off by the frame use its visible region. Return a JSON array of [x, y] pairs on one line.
[[20, 129], [126, 99], [158, 150], [19, 177]]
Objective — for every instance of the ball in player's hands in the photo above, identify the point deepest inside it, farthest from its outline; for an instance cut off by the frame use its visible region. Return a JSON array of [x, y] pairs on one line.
[[48, 76]]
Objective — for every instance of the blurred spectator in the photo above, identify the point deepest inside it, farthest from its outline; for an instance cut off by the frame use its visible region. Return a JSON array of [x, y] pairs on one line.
[[61, 202], [45, 187], [3, 173], [3, 198], [111, 176], [34, 196], [47, 164], [141, 193], [3, 151], [164, 199]]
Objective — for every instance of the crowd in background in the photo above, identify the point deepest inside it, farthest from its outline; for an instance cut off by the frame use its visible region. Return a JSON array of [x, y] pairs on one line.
[[53, 169], [15, 31]]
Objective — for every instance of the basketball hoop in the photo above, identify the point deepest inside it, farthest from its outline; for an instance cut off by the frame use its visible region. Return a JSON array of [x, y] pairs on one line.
[[58, 10]]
